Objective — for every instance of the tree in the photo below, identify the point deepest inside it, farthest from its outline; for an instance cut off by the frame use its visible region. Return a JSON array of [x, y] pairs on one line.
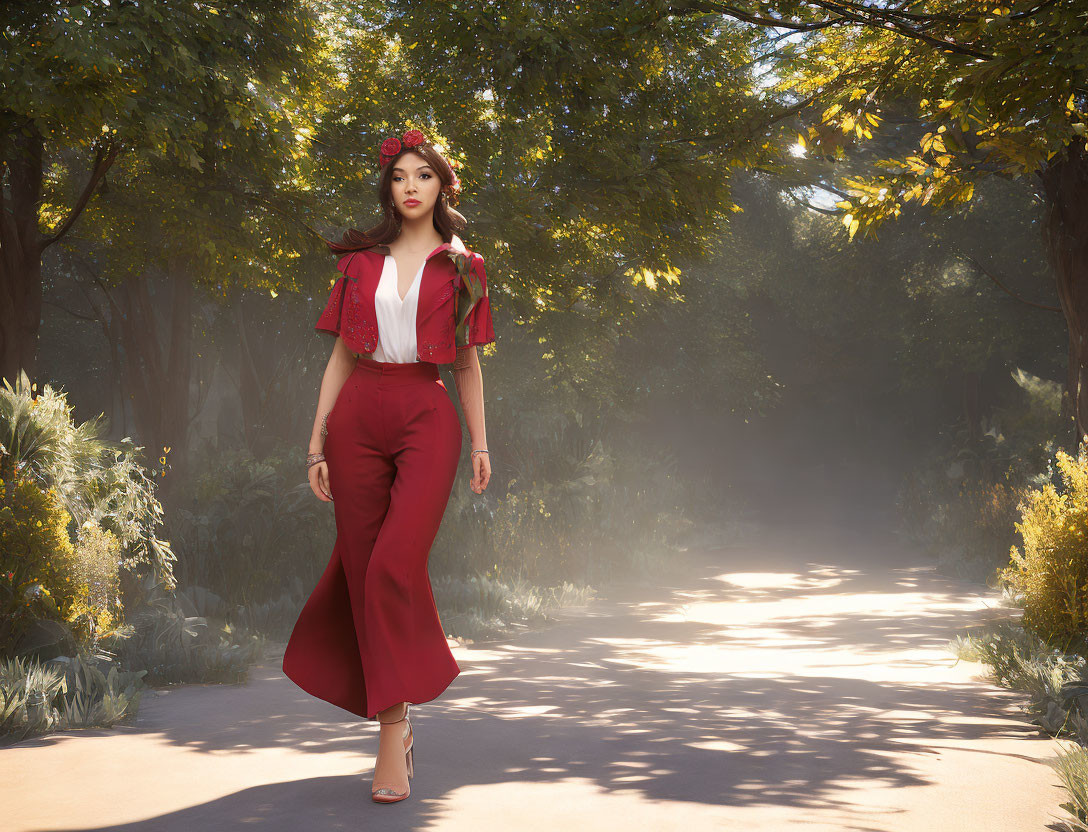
[[598, 143], [86, 85], [195, 117], [991, 90]]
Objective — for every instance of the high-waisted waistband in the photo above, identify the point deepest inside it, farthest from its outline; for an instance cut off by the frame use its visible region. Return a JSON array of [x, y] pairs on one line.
[[412, 370]]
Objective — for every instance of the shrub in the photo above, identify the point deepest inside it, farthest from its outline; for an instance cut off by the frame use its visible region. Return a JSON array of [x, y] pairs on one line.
[[1071, 764], [1051, 573], [243, 526], [95, 572], [1057, 687], [480, 607], [62, 693], [575, 509], [169, 638], [44, 577], [94, 479], [36, 558]]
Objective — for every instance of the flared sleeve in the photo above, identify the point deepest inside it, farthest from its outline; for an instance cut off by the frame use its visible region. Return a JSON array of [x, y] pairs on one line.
[[331, 318], [329, 322], [473, 307]]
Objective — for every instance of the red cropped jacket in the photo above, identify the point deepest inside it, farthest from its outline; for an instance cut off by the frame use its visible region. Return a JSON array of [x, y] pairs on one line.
[[453, 309]]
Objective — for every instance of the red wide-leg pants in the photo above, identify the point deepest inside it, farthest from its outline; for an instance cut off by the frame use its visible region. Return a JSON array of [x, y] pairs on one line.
[[369, 635]]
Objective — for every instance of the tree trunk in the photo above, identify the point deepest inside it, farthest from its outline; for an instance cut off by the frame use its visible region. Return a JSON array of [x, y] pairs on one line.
[[20, 251], [22, 153], [1065, 231], [158, 370]]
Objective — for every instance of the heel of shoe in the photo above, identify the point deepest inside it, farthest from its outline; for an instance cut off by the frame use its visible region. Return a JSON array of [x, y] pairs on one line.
[[410, 758]]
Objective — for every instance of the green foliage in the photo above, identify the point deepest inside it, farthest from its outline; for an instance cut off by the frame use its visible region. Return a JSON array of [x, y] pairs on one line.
[[273, 619], [960, 514], [96, 481], [1056, 682], [64, 693], [480, 607], [169, 639], [36, 561], [1051, 572], [574, 508], [962, 504], [96, 576], [590, 187], [244, 526], [989, 97], [119, 78], [1057, 687], [93, 697], [27, 691], [1071, 764], [45, 578]]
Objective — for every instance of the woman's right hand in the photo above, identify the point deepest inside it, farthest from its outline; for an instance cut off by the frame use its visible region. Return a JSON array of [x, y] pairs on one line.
[[319, 481]]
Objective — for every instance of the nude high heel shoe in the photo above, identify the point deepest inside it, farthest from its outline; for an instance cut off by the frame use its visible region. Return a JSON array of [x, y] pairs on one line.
[[386, 794]]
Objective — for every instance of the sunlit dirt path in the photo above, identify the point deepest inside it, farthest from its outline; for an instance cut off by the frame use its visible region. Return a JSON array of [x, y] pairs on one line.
[[789, 682]]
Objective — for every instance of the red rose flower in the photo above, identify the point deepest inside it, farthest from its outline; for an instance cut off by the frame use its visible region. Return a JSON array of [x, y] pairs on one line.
[[413, 138], [391, 146]]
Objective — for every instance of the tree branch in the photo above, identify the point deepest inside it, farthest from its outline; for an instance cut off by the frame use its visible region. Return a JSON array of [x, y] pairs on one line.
[[104, 158], [1048, 307]]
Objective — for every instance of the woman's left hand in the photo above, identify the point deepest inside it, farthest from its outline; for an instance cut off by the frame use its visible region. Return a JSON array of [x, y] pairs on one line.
[[481, 473]]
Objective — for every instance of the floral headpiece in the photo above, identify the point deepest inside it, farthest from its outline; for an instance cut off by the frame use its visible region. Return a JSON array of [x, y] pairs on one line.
[[411, 140]]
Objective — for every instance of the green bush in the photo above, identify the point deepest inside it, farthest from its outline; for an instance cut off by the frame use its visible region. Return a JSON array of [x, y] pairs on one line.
[[1056, 684], [75, 511], [1051, 572], [1071, 764], [961, 504], [243, 527], [36, 558], [574, 509], [169, 638], [480, 607], [62, 693], [44, 577]]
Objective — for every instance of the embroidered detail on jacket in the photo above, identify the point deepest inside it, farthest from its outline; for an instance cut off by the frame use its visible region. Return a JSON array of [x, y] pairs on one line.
[[448, 288], [358, 328]]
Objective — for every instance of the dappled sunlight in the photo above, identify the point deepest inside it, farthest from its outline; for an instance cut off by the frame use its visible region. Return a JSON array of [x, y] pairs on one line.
[[822, 698], [666, 394], [780, 580]]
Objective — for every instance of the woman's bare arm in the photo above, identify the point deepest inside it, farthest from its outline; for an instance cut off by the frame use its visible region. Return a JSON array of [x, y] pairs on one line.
[[469, 378], [340, 366]]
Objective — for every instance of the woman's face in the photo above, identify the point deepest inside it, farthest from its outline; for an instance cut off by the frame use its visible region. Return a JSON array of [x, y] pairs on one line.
[[415, 186]]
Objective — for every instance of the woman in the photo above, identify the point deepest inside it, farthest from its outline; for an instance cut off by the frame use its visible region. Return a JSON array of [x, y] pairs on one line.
[[384, 449]]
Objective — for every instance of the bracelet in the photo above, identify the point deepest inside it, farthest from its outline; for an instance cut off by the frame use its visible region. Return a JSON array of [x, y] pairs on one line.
[[313, 459], [480, 452]]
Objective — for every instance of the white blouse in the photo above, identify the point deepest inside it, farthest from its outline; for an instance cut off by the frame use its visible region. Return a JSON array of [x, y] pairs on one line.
[[396, 317]]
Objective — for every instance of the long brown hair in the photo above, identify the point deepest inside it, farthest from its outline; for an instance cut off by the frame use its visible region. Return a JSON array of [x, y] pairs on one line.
[[447, 221]]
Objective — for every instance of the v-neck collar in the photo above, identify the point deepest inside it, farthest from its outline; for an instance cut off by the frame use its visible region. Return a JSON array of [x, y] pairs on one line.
[[396, 278]]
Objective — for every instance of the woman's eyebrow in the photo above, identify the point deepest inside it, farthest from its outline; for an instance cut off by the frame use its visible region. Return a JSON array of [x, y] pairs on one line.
[[421, 167]]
